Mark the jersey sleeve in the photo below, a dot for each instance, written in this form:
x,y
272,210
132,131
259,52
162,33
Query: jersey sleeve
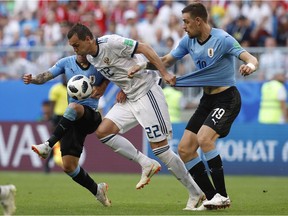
x,y
122,47
232,46
181,50
58,68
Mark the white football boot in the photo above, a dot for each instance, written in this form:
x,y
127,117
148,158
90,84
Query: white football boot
x,y
43,150
101,195
200,208
217,202
194,202
147,173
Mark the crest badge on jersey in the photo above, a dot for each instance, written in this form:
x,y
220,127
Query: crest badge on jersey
x,y
106,60
210,52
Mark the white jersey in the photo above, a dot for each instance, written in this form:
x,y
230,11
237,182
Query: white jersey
x,y
115,56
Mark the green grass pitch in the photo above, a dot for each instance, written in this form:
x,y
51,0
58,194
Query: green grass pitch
x,y
57,194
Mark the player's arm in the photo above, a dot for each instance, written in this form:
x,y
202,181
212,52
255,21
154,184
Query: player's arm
x,y
167,60
98,91
121,96
152,56
251,63
38,79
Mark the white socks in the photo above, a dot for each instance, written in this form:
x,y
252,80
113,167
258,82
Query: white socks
x,y
175,165
177,168
125,148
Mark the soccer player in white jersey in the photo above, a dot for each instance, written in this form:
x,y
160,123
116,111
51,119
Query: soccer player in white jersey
x,y
113,56
213,52
7,199
80,118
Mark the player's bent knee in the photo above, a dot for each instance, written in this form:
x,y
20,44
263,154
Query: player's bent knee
x,y
68,168
182,151
106,128
100,133
204,141
69,164
158,144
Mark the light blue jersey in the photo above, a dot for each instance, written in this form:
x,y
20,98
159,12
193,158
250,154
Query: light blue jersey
x,y
70,68
214,59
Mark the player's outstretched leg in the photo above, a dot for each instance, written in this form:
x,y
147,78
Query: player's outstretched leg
x,y
7,199
101,195
177,168
125,148
80,176
43,150
147,173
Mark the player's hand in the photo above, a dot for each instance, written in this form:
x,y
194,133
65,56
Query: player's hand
x,y
170,79
27,78
97,92
121,97
133,70
245,70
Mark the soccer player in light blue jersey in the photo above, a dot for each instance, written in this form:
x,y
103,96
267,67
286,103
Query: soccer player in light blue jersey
x,y
213,52
80,119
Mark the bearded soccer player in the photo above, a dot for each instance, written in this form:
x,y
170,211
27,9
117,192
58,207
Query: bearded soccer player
x,y
113,56
213,52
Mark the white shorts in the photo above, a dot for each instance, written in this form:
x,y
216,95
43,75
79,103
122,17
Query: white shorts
x,y
150,111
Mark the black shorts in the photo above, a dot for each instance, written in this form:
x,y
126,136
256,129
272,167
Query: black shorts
x,y
218,111
73,141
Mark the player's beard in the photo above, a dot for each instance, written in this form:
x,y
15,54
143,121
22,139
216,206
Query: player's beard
x,y
190,36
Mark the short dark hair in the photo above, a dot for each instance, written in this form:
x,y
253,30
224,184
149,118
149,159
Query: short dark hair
x,y
196,9
81,30
46,103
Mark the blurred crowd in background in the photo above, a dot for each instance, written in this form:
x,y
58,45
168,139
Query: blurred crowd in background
x,y
33,33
